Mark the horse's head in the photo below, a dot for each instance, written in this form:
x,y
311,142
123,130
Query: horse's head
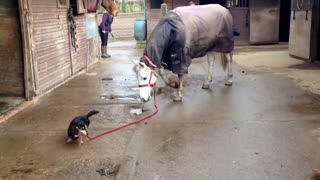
x,y
147,78
110,6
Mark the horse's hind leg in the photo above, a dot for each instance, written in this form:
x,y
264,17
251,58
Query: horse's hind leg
x,y
178,97
210,57
229,66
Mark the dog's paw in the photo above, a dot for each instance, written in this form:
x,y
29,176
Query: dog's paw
x,y
69,140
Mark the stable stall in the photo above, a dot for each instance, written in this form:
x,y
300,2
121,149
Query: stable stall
x,y
11,59
44,43
259,22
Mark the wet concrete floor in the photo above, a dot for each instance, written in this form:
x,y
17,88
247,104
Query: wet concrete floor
x,y
7,103
263,127
32,143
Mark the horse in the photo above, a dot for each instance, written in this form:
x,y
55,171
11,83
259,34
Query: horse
x,y
185,33
109,5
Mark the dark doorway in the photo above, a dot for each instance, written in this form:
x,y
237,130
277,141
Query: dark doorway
x,y
317,6
221,2
315,33
11,61
318,46
156,4
12,90
284,26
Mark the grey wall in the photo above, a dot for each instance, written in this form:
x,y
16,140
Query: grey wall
x,y
264,25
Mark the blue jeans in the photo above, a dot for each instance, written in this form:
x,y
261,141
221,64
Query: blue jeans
x,y
104,38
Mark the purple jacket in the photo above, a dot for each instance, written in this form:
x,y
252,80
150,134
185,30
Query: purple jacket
x,y
106,22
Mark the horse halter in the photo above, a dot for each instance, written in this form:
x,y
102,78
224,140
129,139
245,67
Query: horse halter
x,y
151,66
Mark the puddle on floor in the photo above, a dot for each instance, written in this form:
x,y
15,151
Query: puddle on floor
x,y
136,111
8,103
122,99
91,74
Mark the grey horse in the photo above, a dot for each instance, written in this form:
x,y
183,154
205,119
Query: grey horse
x,y
182,34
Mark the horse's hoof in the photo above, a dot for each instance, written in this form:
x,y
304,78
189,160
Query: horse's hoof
x,y
205,86
228,83
177,99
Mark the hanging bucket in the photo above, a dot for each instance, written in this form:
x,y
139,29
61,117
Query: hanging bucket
x,y
140,29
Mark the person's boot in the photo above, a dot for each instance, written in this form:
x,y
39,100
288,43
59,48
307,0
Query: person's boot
x,y
104,51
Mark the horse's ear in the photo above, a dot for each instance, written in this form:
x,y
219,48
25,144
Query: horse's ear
x,y
142,65
135,68
135,65
135,62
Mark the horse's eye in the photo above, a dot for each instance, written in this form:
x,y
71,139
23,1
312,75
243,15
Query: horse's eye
x,y
144,78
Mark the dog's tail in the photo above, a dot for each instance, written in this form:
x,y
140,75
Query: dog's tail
x,y
93,112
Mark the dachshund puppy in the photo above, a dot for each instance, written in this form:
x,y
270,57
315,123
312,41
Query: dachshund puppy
x,y
79,123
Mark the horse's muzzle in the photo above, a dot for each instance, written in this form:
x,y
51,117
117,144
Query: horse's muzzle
x,y
145,100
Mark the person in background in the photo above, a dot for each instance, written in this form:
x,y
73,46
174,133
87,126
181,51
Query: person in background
x,y
104,30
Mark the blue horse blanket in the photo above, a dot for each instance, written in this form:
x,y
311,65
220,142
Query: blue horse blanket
x,y
189,32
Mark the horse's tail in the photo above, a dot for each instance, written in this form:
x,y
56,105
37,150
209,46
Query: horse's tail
x,y
224,61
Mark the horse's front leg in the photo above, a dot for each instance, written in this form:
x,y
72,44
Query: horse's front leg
x,y
166,80
210,57
178,97
229,67
164,76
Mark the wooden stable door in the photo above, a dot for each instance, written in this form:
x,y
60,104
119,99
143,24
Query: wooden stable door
x,y
264,21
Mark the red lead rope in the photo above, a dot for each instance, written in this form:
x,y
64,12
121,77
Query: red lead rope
x,y
130,123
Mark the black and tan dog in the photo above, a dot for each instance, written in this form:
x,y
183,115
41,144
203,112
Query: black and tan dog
x,y
79,124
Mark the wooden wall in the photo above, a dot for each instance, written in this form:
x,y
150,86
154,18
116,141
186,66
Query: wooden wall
x,y
51,43
47,58
79,57
11,61
54,58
